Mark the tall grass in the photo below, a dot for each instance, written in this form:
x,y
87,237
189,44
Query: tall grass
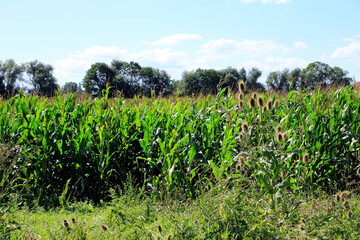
x,y
74,149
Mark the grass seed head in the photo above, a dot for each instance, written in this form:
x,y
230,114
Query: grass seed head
x,y
260,101
269,104
252,103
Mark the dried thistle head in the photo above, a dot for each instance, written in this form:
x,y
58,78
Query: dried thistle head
x,y
241,86
245,127
252,103
278,128
260,101
104,227
305,158
269,104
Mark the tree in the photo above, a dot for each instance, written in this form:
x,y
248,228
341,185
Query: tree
x,y
230,77
10,73
70,87
127,76
295,79
252,80
339,76
98,78
279,81
154,80
41,77
192,83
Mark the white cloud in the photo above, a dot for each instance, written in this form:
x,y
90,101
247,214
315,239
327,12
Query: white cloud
x,y
162,56
300,44
350,52
177,38
356,37
223,48
100,51
267,1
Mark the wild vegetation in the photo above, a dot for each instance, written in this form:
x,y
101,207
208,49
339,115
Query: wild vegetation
x,y
256,154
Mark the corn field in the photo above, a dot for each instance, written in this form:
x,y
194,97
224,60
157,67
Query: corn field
x,y
80,149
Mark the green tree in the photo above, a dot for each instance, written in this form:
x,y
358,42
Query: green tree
x,y
279,81
41,78
10,74
230,77
295,79
98,78
127,77
339,77
70,87
192,83
154,80
252,80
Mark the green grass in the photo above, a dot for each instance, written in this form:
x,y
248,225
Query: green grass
x,y
221,213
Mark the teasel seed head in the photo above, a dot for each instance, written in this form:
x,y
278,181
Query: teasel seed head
x,y
302,220
254,95
238,167
278,128
241,103
104,227
332,204
264,108
276,104
358,171
252,103
283,173
305,158
329,210
73,220
159,228
349,214
344,194
302,228
241,96
242,86
269,104
284,136
245,127
279,137
257,120
346,204
242,160
337,198
241,135
260,101
66,223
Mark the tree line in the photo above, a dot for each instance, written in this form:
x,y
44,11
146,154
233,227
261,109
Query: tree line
x,y
129,79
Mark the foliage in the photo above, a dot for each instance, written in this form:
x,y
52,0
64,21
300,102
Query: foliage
x,y
41,78
177,146
10,74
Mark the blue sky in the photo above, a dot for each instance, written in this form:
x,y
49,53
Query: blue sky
x,y
176,35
